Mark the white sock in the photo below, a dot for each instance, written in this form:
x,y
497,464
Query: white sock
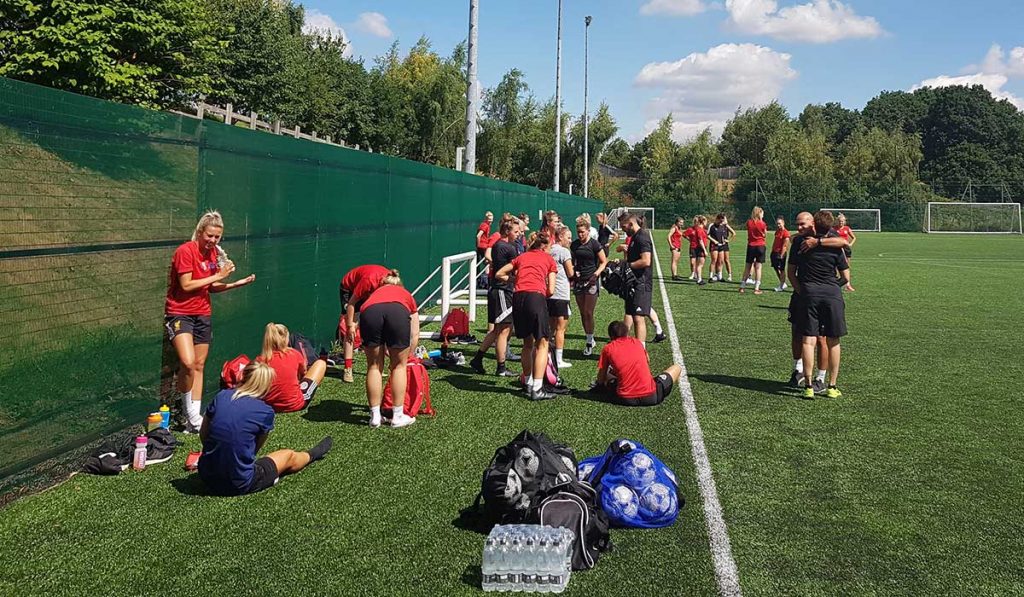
x,y
558,355
537,384
757,285
657,327
644,344
783,285
192,407
590,338
374,413
821,375
798,365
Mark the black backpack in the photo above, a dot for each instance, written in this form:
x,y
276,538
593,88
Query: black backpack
x,y
574,506
618,279
301,343
521,474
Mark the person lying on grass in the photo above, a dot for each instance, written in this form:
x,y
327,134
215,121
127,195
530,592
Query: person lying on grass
x,y
624,374
235,427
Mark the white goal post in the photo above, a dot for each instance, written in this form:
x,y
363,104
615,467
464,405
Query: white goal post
x,y
646,212
859,220
955,217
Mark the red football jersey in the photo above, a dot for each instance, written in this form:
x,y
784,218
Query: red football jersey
x,y
628,360
189,259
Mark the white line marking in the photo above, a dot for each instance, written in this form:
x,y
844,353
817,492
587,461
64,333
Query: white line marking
x,y
718,535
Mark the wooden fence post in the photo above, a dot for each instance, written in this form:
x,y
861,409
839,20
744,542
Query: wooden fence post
x,y
228,115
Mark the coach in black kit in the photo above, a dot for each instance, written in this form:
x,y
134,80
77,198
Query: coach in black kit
x,y
640,256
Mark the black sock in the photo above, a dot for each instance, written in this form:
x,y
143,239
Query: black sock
x,y
320,450
501,366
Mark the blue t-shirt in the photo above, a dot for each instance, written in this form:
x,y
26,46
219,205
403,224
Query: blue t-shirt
x,y
230,447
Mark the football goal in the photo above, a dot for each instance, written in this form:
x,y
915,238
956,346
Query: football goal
x,y
860,220
646,212
972,218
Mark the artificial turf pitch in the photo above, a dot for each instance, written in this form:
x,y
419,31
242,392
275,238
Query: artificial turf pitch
x,y
909,484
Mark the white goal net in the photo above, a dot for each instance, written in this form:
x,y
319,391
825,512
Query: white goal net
x,y
859,220
972,218
646,212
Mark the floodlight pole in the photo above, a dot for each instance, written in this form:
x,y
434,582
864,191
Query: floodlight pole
x,y
586,116
558,101
472,94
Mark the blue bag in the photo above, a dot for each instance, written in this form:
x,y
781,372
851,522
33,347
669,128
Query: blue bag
x,y
635,489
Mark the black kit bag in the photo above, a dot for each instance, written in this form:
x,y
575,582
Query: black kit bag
x,y
574,506
618,279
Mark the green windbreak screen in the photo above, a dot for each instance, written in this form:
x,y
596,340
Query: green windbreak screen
x,y
95,197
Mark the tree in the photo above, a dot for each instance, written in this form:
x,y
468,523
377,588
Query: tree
x,y
745,137
836,122
658,152
601,130
158,53
507,108
619,154
695,180
897,110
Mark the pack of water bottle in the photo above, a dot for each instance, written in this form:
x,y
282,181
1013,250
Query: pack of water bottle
x,y
527,558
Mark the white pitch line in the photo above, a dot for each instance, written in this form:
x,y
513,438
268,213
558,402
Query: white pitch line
x,y
718,534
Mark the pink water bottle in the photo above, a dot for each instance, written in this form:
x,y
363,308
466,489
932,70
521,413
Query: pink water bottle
x,y
139,457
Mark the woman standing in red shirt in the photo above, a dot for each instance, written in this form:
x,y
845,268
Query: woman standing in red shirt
x,y
388,323
846,233
757,230
675,245
535,272
294,385
197,269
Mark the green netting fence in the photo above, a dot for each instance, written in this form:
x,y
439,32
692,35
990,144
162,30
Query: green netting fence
x,y
95,197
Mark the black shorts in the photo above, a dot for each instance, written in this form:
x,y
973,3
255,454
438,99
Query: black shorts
x,y
755,254
308,388
197,325
264,476
499,305
778,261
662,388
344,296
558,308
385,324
821,316
480,254
794,305
676,249
724,248
530,315
640,304
582,288
696,253
848,252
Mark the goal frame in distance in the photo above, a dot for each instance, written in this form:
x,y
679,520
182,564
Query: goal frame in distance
x,y
613,216
878,216
928,218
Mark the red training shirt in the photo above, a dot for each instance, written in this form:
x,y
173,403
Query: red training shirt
x,y
532,269
676,238
492,239
363,280
757,230
844,231
390,293
780,240
481,242
188,259
702,235
284,395
628,360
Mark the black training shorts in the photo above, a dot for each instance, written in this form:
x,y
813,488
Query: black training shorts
x,y
848,252
385,324
530,315
755,254
197,325
778,261
696,253
558,308
265,475
821,316
662,388
640,303
499,305
724,248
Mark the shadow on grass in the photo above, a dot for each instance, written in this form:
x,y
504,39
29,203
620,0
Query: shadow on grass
x,y
329,411
473,576
503,385
766,386
191,485
778,307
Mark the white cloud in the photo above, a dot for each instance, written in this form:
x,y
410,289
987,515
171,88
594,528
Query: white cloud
x,y
704,89
997,61
819,21
992,81
677,8
319,22
375,24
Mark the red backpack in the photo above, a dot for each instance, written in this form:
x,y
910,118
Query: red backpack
x,y
456,324
343,333
417,392
231,372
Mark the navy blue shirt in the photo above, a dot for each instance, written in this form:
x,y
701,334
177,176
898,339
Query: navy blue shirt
x,y
229,451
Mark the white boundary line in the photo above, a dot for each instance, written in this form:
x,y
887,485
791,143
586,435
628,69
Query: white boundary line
x,y
718,534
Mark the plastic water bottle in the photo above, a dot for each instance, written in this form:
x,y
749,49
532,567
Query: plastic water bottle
x,y
530,561
517,569
488,568
139,456
165,413
502,563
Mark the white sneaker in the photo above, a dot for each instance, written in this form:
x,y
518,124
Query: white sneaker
x,y
564,365
778,289
511,356
749,282
692,276
730,278
374,422
402,420
191,429
588,349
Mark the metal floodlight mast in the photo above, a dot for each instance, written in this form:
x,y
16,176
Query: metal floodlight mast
x,y
558,100
472,94
586,115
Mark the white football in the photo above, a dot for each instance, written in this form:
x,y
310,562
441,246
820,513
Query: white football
x,y
659,499
625,502
513,485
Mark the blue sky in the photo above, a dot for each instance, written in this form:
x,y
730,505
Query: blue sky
x,y
701,59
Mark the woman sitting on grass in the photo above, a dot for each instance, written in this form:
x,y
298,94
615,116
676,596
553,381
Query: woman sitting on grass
x,y
234,429
294,384
624,372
